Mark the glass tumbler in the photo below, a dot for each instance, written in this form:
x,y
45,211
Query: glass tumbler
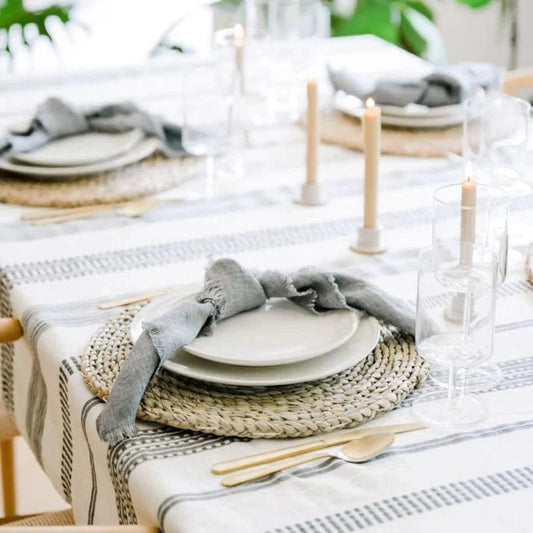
x,y
445,280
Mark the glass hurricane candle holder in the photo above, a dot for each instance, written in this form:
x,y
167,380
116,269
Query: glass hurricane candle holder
x,y
444,277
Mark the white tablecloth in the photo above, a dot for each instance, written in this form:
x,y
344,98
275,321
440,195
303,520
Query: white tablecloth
x,y
53,277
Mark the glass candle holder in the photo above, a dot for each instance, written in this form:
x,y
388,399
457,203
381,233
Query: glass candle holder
x,y
445,280
489,217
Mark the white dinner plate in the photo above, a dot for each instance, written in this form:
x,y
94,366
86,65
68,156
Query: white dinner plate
x,y
277,333
141,150
83,149
422,111
352,106
360,344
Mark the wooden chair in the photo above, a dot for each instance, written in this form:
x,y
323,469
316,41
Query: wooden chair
x,y
60,522
515,80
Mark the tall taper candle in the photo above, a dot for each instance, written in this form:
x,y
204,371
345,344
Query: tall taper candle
x,y
312,132
238,43
468,213
372,147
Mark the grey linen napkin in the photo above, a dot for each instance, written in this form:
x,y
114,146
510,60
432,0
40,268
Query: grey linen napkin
x,y
55,118
447,86
230,289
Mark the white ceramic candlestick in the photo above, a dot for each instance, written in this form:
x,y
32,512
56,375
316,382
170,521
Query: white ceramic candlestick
x,y
311,190
369,238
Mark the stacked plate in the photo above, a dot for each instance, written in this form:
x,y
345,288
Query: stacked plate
x,y
278,343
410,116
81,155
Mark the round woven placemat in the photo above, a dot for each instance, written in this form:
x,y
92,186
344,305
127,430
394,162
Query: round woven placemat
x,y
153,175
375,385
337,128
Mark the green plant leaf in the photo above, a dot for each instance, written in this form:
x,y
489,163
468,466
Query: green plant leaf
x,y
422,7
474,4
13,12
378,17
422,37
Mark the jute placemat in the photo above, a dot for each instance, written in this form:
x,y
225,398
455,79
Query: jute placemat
x,y
375,385
337,128
153,175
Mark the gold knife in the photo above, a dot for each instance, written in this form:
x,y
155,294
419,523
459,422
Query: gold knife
x,y
310,446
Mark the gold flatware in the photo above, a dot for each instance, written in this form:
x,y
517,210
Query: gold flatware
x,y
317,443
356,451
54,213
134,299
76,215
138,207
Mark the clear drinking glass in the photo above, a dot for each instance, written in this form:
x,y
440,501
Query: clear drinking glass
x,y
446,280
211,119
491,215
275,68
495,137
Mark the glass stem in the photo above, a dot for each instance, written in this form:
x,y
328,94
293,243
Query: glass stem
x,y
210,176
456,387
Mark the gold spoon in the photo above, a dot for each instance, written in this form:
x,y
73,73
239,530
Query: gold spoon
x,y
356,451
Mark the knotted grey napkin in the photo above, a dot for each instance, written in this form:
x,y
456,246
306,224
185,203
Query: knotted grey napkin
x,y
451,85
56,118
230,289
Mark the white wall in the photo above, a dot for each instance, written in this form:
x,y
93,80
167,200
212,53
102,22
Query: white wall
x,y
477,34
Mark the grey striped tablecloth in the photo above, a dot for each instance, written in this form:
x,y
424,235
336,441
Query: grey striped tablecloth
x,y
53,277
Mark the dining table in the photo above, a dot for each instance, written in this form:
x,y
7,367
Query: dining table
x,y
53,278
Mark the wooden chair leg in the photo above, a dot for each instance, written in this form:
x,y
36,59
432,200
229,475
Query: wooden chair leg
x,y
7,465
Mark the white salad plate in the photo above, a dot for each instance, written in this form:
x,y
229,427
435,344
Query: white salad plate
x,y
82,149
405,117
141,150
277,333
360,344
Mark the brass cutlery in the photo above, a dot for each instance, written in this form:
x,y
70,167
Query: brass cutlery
x,y
317,443
134,299
356,451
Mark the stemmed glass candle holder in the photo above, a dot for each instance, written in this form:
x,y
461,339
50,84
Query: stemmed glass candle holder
x,y
489,218
488,214
456,345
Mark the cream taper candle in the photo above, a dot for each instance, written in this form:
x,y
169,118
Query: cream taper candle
x,y
372,147
312,132
468,214
238,43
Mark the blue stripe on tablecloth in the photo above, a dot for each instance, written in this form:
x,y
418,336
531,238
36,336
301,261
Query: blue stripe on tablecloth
x,y
221,205
417,502
331,465
94,487
66,370
159,443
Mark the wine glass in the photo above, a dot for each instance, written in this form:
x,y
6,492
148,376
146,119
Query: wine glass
x,y
445,279
211,119
495,137
490,215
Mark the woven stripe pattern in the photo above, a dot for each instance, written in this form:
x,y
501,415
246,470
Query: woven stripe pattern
x,y
153,175
374,386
